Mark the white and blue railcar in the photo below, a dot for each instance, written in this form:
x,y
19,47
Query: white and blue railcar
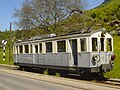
x,y
82,52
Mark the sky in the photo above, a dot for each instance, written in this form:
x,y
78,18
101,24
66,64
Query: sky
x,y
7,8
93,3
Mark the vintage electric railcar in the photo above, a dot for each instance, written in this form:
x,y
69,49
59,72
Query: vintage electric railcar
x,y
81,52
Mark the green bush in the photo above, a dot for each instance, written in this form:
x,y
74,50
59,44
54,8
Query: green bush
x,y
6,56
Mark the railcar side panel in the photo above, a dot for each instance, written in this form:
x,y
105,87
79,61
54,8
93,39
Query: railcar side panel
x,y
25,58
15,58
41,59
84,59
108,57
35,58
49,59
61,59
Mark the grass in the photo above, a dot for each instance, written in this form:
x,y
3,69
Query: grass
x,y
45,72
57,74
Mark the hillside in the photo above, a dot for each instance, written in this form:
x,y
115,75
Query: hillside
x,y
105,2
106,13
109,9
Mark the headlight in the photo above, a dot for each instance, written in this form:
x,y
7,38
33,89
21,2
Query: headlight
x,y
113,57
95,58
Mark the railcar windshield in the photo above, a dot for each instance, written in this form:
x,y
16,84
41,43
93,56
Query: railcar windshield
x,y
105,44
109,44
102,44
94,44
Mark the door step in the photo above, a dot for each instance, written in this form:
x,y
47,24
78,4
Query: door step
x,y
74,72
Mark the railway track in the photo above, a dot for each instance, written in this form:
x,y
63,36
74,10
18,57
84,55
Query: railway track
x,y
113,81
97,79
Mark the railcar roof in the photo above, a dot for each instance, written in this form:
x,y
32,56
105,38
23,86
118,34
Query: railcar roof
x,y
71,35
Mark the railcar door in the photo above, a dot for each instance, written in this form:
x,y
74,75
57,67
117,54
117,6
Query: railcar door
x,y
73,45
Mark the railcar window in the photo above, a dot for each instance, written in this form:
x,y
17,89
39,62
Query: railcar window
x,y
26,49
31,48
21,49
40,47
36,48
94,44
102,44
83,44
109,44
16,49
48,47
61,46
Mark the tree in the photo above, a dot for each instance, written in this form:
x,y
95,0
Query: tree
x,y
93,15
45,13
118,12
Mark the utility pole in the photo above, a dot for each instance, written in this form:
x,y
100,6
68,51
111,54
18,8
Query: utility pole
x,y
10,37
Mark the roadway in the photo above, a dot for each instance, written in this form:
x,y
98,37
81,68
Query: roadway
x,y
13,82
20,80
